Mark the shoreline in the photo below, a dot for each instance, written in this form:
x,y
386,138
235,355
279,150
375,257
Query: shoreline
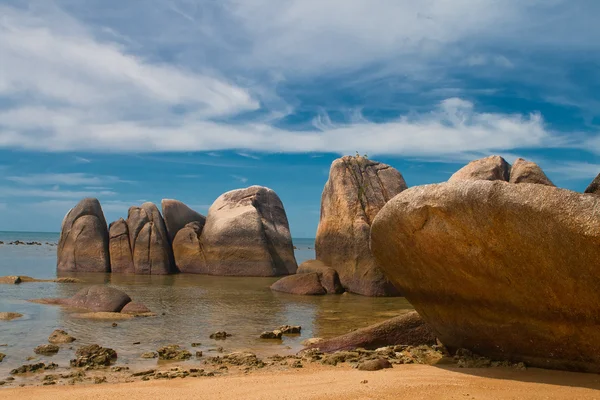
x,y
318,382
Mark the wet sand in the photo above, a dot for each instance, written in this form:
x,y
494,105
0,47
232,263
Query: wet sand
x,y
323,382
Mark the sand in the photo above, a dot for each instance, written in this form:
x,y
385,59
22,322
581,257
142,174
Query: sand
x,y
320,382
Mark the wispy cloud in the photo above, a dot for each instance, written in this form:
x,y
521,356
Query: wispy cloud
x,y
242,179
82,160
57,194
67,179
248,155
574,170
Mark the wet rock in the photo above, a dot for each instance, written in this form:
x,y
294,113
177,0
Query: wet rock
x,y
46,349
297,364
104,316
9,316
97,298
238,359
173,352
144,373
328,276
407,329
247,234
23,369
301,284
83,244
290,329
311,342
196,344
469,256
198,354
221,335
99,379
137,309
271,335
150,354
356,190
10,280
177,215
93,356
114,324
121,258
2,355
59,337
150,244
374,365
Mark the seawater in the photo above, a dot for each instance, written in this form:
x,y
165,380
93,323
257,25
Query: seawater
x,y
189,308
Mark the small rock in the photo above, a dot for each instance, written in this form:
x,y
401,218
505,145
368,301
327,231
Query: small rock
x,y
23,369
99,379
2,355
312,341
9,316
221,335
374,365
2,383
196,344
290,329
9,378
150,354
46,349
93,356
137,342
198,354
173,352
114,324
276,334
297,364
144,373
365,381
10,280
59,336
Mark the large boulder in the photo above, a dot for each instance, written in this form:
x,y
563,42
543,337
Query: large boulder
x,y
594,186
186,248
97,298
507,271
492,168
356,190
150,244
305,284
408,329
83,243
121,259
523,171
328,276
177,215
246,234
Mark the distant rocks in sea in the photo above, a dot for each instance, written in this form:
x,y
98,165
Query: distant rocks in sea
x,y
246,233
507,271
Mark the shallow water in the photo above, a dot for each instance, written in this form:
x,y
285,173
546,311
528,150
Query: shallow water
x,y
194,306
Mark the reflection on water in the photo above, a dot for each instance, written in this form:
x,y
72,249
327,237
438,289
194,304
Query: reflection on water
x,y
189,308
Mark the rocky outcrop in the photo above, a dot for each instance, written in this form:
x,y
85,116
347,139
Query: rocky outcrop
x,y
594,186
355,192
187,250
328,277
177,215
304,284
246,234
121,259
506,271
408,329
150,244
492,168
93,356
83,243
523,171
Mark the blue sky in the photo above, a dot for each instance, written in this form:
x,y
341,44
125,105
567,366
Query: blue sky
x,y
133,101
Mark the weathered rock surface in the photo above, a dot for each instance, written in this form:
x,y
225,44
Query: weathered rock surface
x,y
507,271
93,356
121,259
290,329
328,276
9,316
374,365
408,329
83,244
59,337
99,298
177,215
46,349
492,168
221,335
276,334
355,192
24,369
523,171
246,234
186,248
594,186
304,284
151,248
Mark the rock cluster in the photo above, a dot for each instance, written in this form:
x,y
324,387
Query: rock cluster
x,y
496,168
93,356
246,233
173,352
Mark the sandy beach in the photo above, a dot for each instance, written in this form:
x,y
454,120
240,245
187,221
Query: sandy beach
x,y
319,382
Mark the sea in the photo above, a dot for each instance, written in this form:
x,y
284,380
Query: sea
x,y
189,309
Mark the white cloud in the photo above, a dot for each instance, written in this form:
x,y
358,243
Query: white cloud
x,y
247,155
57,194
574,170
68,179
242,179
